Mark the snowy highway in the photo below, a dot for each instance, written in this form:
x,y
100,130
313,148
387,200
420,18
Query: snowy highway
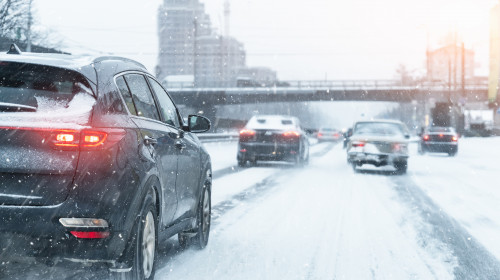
x,y
324,221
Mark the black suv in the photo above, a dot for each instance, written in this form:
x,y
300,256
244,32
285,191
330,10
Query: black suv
x,y
96,165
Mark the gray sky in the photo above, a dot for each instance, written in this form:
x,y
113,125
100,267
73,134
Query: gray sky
x,y
314,39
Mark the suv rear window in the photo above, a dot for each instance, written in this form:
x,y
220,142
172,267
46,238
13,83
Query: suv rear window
x,y
31,85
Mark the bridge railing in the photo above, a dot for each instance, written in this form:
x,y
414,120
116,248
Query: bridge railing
x,y
475,84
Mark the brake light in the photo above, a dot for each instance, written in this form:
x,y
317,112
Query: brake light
x,y
358,144
93,138
454,138
247,132
426,137
90,234
66,138
320,134
86,139
291,134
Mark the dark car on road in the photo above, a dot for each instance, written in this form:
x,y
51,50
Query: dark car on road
x,y
273,138
328,134
96,165
439,140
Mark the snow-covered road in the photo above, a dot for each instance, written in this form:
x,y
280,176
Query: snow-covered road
x,y
324,221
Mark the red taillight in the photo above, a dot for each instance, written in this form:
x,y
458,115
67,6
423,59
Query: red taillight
x,y
247,132
454,138
93,138
358,144
320,134
86,139
291,134
90,234
426,137
66,138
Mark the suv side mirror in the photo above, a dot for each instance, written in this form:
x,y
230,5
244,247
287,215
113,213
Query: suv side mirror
x,y
198,124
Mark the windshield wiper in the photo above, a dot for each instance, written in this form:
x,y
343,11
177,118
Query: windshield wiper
x,y
11,107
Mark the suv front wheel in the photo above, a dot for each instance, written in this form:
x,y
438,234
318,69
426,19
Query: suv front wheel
x,y
203,222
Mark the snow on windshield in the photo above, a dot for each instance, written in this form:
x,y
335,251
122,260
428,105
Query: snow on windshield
x,y
53,113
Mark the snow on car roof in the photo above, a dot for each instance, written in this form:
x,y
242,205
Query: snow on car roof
x,y
272,122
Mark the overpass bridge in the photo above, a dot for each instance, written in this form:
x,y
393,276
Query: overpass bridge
x,y
303,91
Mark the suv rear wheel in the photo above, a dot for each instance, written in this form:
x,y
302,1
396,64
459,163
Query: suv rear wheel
x,y
145,243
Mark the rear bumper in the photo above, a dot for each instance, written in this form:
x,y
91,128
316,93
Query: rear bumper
x,y
360,158
35,231
440,147
268,151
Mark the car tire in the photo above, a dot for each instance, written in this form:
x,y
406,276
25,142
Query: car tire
x,y
144,244
401,167
203,223
242,163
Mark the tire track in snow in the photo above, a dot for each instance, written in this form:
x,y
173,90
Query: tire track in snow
x,y
235,168
475,261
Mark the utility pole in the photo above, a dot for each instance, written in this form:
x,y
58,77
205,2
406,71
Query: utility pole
x,y
195,51
463,69
28,31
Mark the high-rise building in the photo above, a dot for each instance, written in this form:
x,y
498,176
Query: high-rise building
x,y
179,23
191,51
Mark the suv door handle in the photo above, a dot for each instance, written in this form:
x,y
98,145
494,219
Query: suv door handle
x,y
179,144
150,141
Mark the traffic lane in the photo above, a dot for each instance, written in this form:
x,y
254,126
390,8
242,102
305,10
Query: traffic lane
x,y
474,261
320,222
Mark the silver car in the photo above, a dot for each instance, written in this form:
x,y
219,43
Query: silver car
x,y
380,143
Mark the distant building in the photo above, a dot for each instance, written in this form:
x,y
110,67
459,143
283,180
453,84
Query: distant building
x,y
218,61
445,64
494,77
180,21
256,77
189,46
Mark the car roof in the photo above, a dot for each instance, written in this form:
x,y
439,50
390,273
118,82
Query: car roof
x,y
272,122
380,121
79,63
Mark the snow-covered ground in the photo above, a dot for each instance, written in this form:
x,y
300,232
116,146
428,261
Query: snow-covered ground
x,y
324,221
467,186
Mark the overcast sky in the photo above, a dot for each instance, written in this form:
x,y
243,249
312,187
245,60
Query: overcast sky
x,y
314,39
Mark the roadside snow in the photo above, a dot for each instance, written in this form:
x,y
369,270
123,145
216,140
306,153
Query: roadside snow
x,y
466,186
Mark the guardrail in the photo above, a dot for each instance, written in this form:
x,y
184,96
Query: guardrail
x,y
217,137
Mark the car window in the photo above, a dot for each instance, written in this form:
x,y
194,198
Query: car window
x,y
127,96
166,106
379,128
32,85
142,97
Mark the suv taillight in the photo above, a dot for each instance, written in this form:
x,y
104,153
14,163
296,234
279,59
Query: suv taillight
x,y
85,139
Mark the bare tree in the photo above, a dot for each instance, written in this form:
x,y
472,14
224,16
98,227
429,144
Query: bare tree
x,y
14,16
17,22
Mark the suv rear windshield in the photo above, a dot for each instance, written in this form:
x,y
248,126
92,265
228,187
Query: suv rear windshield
x,y
31,85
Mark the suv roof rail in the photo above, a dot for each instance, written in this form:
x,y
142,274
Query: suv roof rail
x,y
104,58
14,49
